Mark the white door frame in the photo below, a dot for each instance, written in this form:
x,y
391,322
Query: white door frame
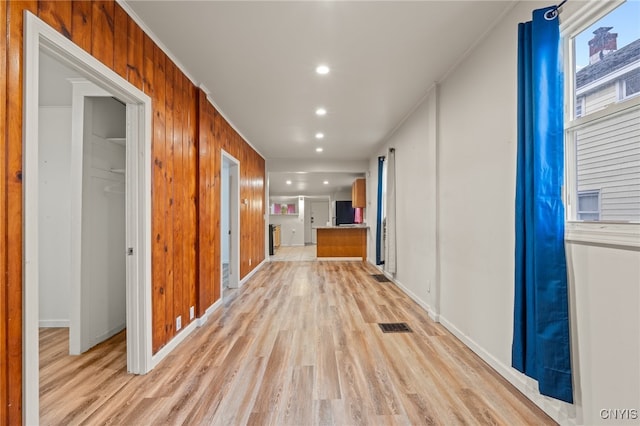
x,y
234,222
39,36
81,89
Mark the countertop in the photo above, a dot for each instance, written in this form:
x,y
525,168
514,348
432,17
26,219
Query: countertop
x,y
344,227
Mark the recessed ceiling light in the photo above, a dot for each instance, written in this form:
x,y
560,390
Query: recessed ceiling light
x,y
319,149
322,69
319,135
326,182
321,111
288,182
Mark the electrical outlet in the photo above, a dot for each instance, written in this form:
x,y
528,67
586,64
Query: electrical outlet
x,y
178,322
192,312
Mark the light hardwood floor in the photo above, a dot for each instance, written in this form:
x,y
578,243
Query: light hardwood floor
x,y
298,344
294,253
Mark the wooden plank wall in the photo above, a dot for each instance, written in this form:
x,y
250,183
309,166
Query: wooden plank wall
x,y
216,135
188,134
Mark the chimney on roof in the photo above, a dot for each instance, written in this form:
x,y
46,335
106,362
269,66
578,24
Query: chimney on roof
x,y
602,43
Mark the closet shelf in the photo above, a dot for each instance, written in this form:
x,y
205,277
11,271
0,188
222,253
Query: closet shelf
x,y
119,141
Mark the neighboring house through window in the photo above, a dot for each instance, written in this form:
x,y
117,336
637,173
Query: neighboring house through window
x,y
603,133
589,205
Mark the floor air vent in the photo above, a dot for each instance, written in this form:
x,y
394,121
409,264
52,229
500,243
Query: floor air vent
x,y
394,327
381,278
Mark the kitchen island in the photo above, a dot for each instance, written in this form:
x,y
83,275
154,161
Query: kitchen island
x,y
342,241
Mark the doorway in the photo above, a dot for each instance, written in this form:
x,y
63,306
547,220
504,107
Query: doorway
x,y
319,218
40,38
229,222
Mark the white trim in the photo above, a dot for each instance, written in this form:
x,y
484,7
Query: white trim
x,y
590,12
252,272
435,316
40,36
133,15
608,78
234,222
561,412
613,234
609,110
184,333
81,88
233,126
604,233
59,323
198,322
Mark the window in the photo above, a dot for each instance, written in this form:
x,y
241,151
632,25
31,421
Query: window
x,y
631,85
602,122
579,106
589,205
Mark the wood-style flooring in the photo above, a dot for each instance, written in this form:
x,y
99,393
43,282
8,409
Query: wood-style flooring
x,y
298,344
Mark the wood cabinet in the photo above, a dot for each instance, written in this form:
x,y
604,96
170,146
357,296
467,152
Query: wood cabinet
x,y
276,236
359,193
342,242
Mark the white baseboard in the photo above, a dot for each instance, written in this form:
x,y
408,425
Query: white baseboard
x,y
253,271
198,322
564,414
179,338
60,323
424,305
106,335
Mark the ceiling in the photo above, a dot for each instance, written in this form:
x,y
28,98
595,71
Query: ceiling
x,y
257,60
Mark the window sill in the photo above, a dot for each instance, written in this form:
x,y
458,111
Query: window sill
x,y
612,234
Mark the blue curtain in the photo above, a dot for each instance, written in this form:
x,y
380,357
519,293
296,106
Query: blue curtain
x,y
541,347
379,260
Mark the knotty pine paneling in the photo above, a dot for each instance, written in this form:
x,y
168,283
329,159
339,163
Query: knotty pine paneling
x,y
81,22
15,11
103,31
192,170
186,157
57,14
207,250
168,200
4,336
135,53
216,134
120,40
158,229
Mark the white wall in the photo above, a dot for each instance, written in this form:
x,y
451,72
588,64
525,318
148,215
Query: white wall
x,y
473,260
54,212
415,147
291,229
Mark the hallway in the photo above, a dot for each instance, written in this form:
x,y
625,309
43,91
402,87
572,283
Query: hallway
x,y
298,344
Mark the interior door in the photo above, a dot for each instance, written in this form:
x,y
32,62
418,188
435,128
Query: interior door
x,y
103,271
319,217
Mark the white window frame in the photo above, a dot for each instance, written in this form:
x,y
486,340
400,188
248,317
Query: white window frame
x,y
588,193
623,90
619,234
581,104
